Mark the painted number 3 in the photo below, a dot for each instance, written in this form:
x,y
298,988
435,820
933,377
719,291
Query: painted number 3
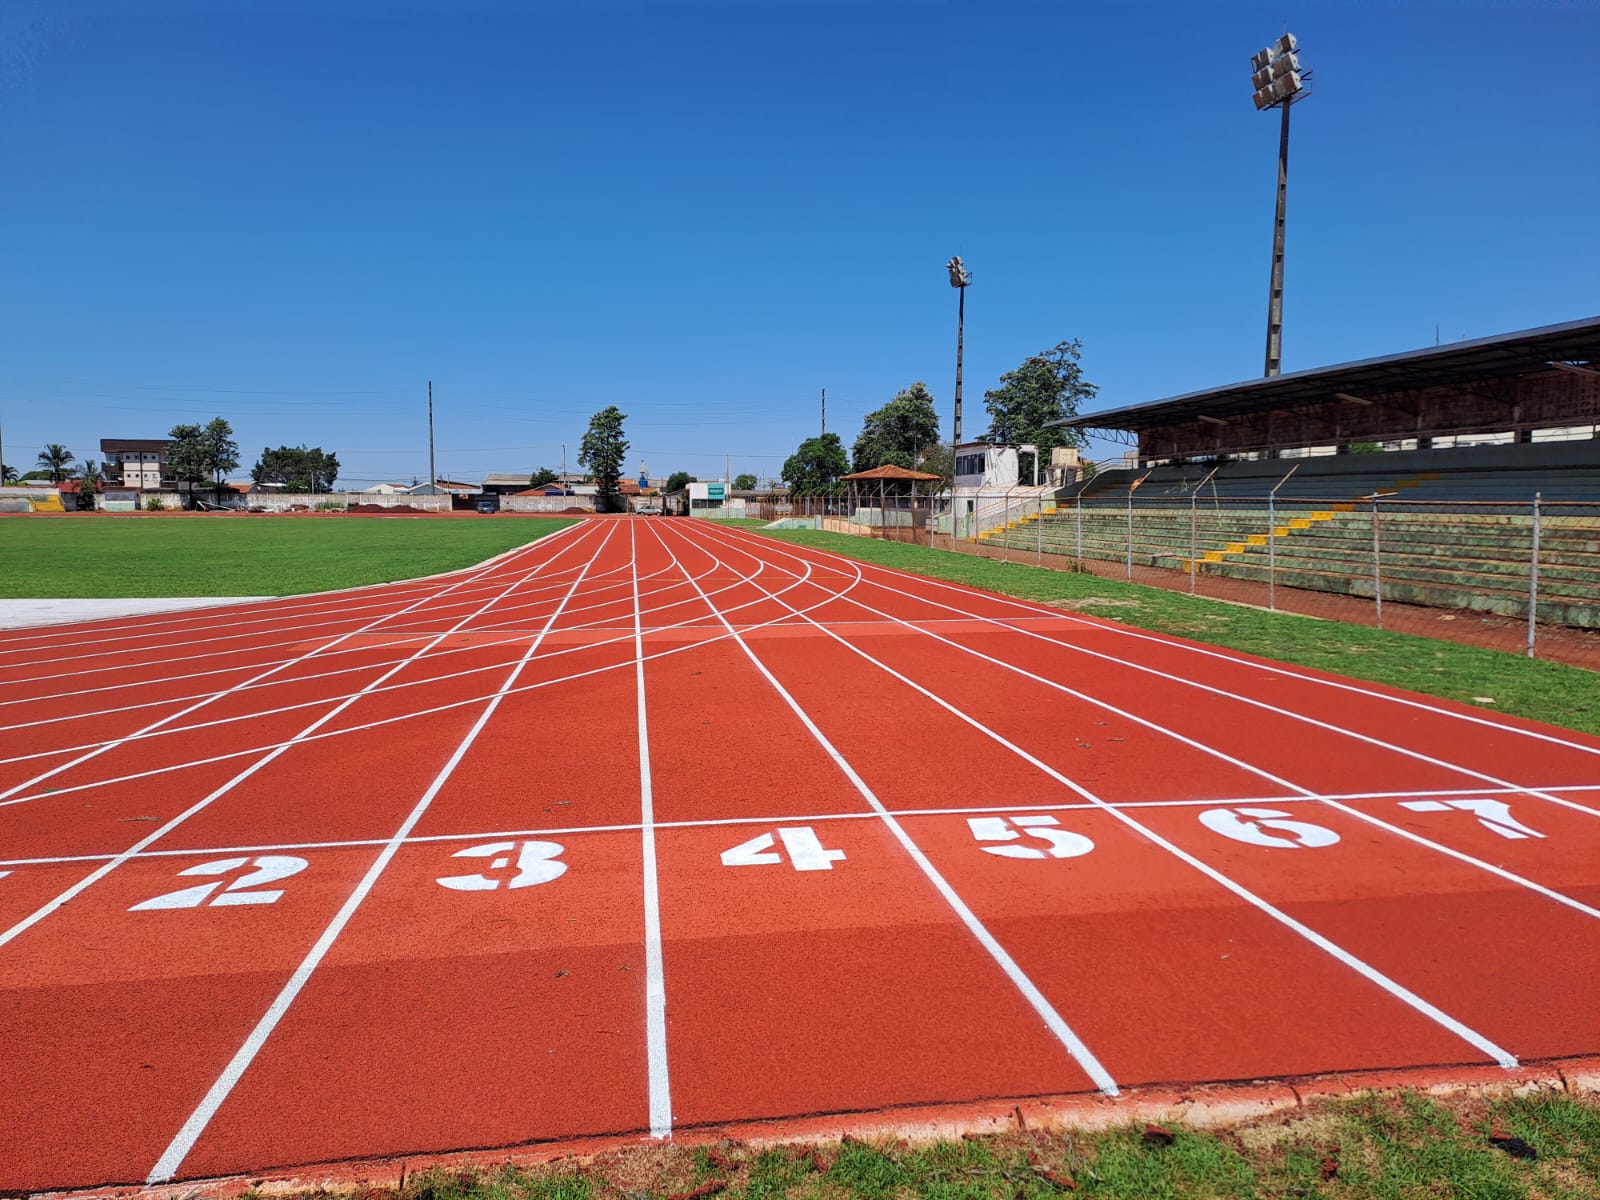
x,y
537,862
269,868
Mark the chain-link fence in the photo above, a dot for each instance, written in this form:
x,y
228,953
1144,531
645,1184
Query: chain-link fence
x,y
1517,576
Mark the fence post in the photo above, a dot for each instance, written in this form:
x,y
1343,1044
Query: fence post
x,y
1130,533
1377,562
1272,550
1077,509
1194,538
1533,577
1038,521
1272,539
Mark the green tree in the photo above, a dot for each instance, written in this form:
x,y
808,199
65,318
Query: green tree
x,y
198,454
8,474
814,468
186,455
939,460
898,433
88,485
221,453
602,451
745,483
297,468
56,461
1048,386
679,480
543,476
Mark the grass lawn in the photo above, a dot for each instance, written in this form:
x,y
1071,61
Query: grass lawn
x,y
1385,1145
1544,691
115,556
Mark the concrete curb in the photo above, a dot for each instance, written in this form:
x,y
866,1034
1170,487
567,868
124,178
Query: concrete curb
x,y
1203,1106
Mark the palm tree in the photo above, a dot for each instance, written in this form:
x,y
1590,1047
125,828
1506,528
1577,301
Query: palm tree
x,y
8,474
56,459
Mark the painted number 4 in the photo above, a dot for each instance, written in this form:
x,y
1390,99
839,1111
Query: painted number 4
x,y
802,846
269,868
1062,843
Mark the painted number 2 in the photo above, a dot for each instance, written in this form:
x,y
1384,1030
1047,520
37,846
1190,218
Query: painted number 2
x,y
537,862
1062,843
269,868
802,845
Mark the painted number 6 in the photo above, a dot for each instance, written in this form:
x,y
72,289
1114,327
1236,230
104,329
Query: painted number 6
x,y
1266,827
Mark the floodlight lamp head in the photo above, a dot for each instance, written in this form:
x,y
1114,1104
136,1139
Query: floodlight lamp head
x,y
960,277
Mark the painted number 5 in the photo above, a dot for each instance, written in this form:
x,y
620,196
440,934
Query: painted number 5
x,y
269,868
1266,827
537,862
1063,843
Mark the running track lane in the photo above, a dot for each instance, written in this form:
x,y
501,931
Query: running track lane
x,y
785,702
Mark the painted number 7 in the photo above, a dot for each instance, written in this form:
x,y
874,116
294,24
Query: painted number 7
x,y
1493,815
1063,843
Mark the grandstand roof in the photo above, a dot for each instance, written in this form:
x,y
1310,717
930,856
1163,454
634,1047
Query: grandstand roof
x,y
1575,343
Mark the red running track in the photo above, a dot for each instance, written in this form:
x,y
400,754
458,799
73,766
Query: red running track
x,y
651,826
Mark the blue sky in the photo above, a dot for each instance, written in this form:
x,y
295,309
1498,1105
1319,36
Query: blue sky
x,y
294,215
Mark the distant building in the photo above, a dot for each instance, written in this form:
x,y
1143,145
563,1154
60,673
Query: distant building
x,y
136,464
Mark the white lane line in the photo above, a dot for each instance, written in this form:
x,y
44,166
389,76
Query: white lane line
x,y
1372,974
400,637
414,714
292,608
154,641
1494,869
655,990
493,835
158,730
1053,1020
95,876
144,667
401,640
172,1158
103,747
1108,625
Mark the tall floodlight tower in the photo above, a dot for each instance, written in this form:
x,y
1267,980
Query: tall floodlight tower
x,y
1280,83
960,277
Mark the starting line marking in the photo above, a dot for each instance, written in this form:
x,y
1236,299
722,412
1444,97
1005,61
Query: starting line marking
x,y
1417,798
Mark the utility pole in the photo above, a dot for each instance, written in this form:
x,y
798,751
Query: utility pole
x,y
825,411
563,466
433,476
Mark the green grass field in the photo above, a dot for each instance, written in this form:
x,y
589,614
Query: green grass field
x,y
1544,691
95,557
1395,1145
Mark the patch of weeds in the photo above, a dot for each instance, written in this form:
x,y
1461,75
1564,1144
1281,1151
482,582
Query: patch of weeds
x,y
1123,1162
867,1172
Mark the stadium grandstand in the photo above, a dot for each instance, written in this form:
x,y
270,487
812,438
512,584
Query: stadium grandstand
x,y
1459,477
1518,389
